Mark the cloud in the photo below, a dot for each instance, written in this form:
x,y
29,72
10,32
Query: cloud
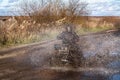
x,y
4,2
8,7
11,1
105,8
96,7
97,1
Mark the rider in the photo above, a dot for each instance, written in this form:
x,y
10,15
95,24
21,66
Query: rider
x,y
68,36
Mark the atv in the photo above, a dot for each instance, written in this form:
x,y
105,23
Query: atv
x,y
64,56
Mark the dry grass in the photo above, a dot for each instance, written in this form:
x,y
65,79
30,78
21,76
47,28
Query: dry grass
x,y
14,33
11,33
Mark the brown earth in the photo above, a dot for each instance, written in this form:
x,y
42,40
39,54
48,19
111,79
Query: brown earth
x,y
29,62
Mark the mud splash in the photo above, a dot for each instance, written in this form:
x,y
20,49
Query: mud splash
x,y
102,62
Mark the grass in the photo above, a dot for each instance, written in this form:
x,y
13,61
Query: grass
x,y
50,34
82,30
47,35
14,35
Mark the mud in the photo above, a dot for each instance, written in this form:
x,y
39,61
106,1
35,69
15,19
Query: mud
x,y
12,70
102,61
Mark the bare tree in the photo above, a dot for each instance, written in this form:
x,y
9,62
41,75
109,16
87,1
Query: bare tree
x,y
76,8
52,10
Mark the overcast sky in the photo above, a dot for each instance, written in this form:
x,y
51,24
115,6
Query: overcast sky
x,y
96,7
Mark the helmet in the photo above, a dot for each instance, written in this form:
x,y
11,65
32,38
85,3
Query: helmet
x,y
69,27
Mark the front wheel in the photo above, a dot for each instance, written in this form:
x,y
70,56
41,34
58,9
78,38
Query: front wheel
x,y
75,58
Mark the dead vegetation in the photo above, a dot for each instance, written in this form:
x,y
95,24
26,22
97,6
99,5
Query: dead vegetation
x,y
11,32
44,19
47,11
41,21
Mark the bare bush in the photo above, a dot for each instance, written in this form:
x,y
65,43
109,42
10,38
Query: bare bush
x,y
117,25
38,17
12,33
47,11
76,8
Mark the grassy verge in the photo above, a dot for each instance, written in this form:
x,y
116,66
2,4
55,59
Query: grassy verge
x,y
83,30
48,34
32,38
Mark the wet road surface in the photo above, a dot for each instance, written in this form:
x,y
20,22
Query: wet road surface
x,y
12,70
21,64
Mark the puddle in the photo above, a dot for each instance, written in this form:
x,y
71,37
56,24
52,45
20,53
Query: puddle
x,y
114,64
111,72
73,75
115,77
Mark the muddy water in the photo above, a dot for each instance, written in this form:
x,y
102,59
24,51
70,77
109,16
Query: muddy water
x,y
70,75
11,70
21,68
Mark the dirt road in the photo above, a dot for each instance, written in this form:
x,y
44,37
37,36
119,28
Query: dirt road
x,y
21,62
28,62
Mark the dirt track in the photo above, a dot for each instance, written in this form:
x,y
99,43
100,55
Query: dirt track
x,y
17,64
26,62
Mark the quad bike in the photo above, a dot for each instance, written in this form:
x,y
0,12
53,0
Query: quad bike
x,y
66,55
